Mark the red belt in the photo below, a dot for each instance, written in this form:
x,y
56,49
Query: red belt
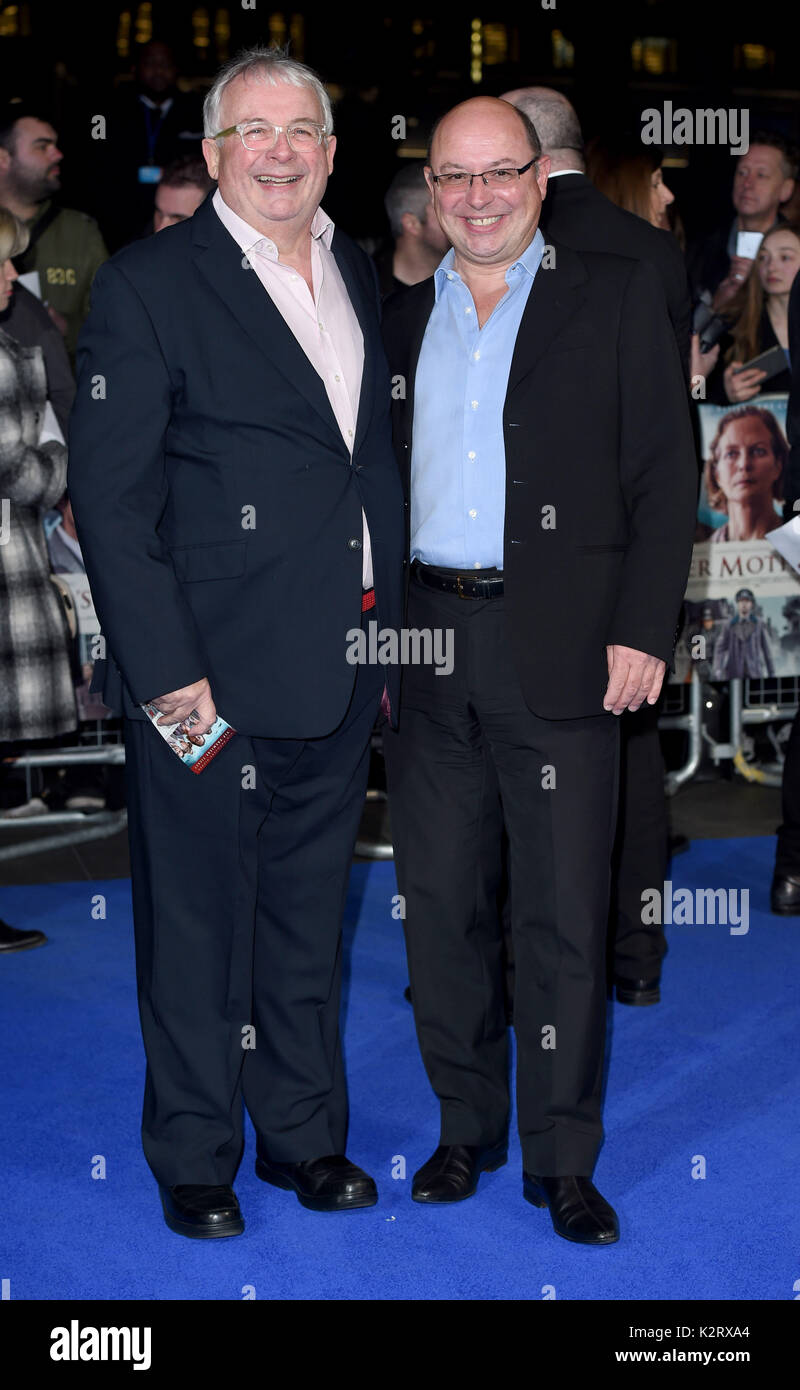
x,y
367,600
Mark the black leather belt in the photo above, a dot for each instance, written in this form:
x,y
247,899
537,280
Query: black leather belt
x,y
453,582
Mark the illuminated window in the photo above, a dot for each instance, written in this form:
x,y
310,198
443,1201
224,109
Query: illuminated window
x,y
563,50
222,35
297,36
654,56
495,43
201,29
753,57
9,21
144,23
277,29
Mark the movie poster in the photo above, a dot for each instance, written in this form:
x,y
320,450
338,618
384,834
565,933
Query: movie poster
x,y
742,597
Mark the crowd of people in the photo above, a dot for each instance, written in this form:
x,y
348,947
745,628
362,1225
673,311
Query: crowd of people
x,y
703,312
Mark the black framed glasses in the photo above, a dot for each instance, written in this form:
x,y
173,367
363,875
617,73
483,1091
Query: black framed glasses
x,y
262,135
492,178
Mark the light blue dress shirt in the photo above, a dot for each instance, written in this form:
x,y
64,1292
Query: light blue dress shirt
x,y
458,462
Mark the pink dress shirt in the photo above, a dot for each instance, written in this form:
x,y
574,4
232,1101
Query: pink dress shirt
x,y
324,324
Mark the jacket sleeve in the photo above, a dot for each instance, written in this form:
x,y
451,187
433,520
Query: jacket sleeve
x,y
118,485
657,472
30,476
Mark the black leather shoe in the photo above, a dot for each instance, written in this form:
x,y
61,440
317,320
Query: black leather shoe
x,y
203,1213
12,939
638,991
577,1210
784,895
322,1184
452,1172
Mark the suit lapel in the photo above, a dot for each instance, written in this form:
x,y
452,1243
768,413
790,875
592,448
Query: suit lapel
x,y
219,260
367,316
555,295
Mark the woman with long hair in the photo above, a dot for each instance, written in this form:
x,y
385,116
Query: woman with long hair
x,y
630,174
758,317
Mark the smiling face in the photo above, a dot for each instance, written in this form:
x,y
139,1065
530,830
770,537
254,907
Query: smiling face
x,y
486,226
747,466
276,191
778,261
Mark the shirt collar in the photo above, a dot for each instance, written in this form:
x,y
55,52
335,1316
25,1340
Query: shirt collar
x,y
529,262
557,173
162,106
322,229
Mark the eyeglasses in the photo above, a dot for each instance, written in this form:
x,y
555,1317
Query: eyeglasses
x,y
492,178
261,135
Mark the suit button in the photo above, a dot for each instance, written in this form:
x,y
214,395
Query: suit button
x,y
354,543
405,446
405,504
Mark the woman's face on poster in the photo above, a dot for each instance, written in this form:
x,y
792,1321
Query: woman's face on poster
x,y
747,466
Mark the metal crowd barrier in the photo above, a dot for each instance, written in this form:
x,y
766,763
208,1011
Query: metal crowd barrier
x,y
750,703
102,745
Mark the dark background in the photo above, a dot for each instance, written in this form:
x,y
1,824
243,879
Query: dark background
x,y
612,60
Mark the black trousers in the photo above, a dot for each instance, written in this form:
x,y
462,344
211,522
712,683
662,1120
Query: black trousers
x,y
558,784
639,861
787,854
239,880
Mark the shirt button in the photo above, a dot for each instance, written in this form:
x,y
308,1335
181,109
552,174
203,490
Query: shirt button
x,y
354,543
322,326
449,276
477,565
337,378
468,310
471,454
349,434
473,513
476,355
474,405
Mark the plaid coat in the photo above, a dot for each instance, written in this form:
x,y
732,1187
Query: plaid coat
x,y
37,697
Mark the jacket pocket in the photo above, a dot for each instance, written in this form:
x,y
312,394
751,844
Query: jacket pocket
x,y
211,560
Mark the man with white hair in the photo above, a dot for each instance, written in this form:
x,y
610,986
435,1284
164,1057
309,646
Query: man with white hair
x,y
240,512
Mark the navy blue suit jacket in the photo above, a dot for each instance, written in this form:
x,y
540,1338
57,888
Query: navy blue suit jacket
x,y
216,504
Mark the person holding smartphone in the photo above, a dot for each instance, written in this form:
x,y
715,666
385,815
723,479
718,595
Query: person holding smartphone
x,y
758,317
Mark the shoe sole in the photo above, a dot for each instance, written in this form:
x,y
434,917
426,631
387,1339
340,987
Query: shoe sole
x,y
449,1201
25,946
785,911
541,1203
341,1203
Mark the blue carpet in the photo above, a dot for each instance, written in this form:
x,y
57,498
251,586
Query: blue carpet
x,y
710,1073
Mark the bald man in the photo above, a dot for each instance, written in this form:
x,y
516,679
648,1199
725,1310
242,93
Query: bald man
x,y
546,450
579,215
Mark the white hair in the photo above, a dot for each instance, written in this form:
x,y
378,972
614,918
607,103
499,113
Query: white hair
x,y
271,66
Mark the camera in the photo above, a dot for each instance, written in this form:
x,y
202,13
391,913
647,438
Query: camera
x,y
708,325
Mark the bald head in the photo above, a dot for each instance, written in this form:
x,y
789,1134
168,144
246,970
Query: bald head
x,y
556,124
497,117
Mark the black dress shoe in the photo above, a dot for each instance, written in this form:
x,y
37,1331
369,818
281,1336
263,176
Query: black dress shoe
x,y
12,939
784,895
203,1213
322,1184
577,1210
452,1172
640,991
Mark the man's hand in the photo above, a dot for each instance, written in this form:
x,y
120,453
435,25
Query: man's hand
x,y
742,386
178,704
632,678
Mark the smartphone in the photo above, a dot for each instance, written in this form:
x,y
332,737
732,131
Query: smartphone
x,y
772,362
747,244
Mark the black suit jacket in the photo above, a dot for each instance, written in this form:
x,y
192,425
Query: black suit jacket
x,y
216,504
579,215
596,425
